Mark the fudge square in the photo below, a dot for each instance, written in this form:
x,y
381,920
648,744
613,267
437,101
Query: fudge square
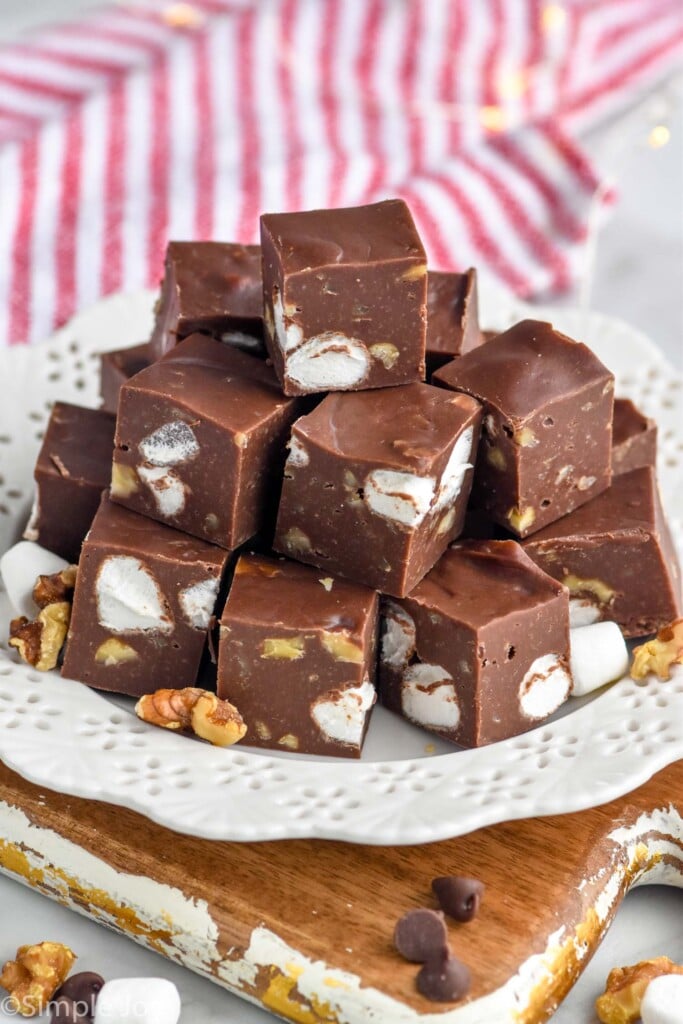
x,y
344,296
452,317
116,368
479,650
634,438
72,470
200,441
212,287
616,557
144,598
547,429
297,656
376,483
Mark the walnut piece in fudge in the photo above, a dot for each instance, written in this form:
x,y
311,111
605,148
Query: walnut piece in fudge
x,y
634,438
116,368
479,650
376,483
452,317
547,430
144,598
70,477
344,297
200,441
214,288
616,556
297,656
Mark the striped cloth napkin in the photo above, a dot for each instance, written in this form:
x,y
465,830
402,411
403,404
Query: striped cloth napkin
x,y
156,120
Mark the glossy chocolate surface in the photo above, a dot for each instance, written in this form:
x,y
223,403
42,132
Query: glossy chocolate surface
x,y
70,476
144,596
212,287
634,438
200,441
547,428
452,317
297,656
366,492
616,556
116,368
479,650
344,296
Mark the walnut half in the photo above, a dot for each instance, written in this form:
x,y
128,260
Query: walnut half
x,y
40,641
658,655
625,988
35,975
195,710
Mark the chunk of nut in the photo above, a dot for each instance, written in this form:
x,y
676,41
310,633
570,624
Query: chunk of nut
x,y
55,588
385,352
195,710
113,651
39,642
521,519
284,648
35,975
625,988
341,647
658,655
124,481
579,585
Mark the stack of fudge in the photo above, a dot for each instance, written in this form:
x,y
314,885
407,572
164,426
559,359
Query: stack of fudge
x,y
281,466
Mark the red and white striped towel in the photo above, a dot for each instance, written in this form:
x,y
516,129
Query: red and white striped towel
x,y
121,131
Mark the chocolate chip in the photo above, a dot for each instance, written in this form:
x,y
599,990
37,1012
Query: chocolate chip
x,y
458,897
78,995
421,935
65,1011
443,979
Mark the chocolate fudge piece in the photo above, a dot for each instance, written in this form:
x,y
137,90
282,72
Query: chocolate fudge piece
x,y
479,650
616,557
547,430
212,287
344,297
116,368
297,656
452,317
73,468
200,441
376,483
634,438
144,598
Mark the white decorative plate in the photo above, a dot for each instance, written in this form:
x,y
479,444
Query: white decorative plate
x,y
408,787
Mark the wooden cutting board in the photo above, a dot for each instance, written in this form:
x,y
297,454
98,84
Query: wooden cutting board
x,y
304,927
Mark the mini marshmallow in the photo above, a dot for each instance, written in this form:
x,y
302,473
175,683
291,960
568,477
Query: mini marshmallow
x,y
199,601
663,1000
428,696
398,636
583,612
167,489
598,656
170,444
138,1001
545,686
402,497
341,715
128,597
454,473
329,360
20,567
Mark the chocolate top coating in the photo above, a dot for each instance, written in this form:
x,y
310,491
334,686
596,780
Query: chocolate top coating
x,y
118,528
216,278
529,366
628,421
629,506
282,593
477,582
63,451
358,234
234,389
402,428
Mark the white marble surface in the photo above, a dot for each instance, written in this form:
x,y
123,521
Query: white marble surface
x,y
638,276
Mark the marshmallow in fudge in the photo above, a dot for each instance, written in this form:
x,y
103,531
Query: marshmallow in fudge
x,y
479,650
547,428
297,656
344,295
142,606
376,483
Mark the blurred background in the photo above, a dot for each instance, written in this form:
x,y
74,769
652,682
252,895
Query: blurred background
x,y
540,141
